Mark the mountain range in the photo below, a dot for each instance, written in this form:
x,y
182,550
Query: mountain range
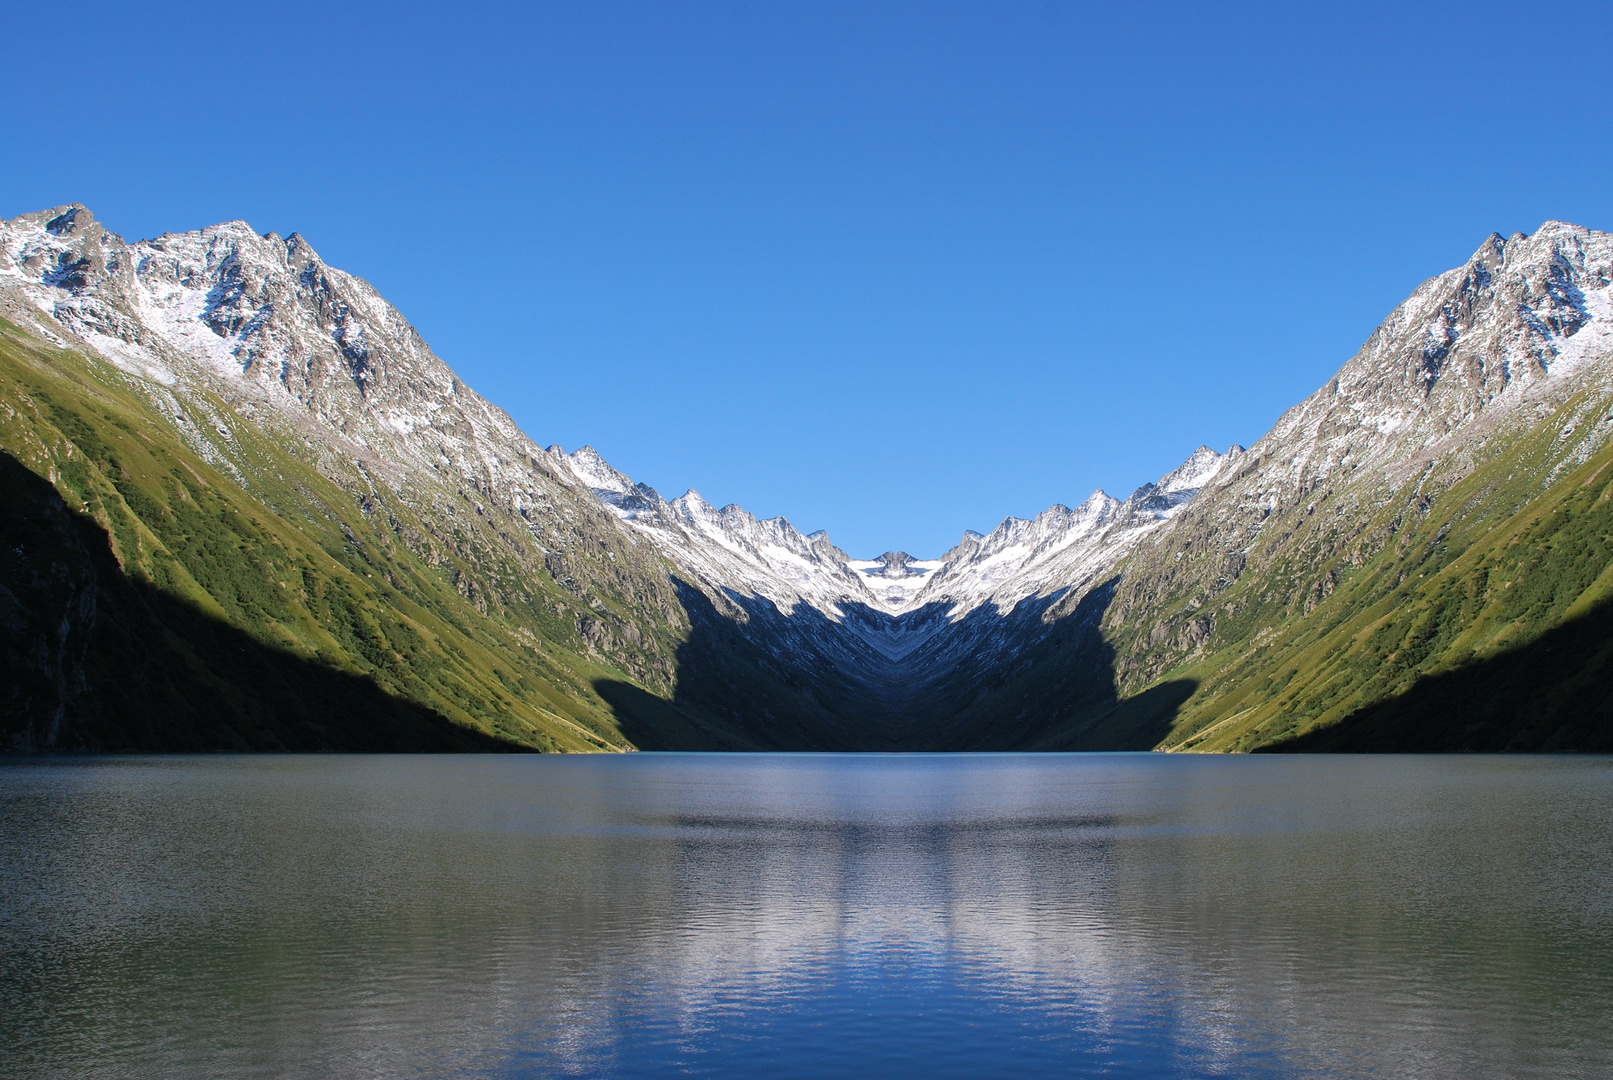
x,y
249,508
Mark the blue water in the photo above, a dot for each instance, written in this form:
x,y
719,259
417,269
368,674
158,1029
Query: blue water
x,y
806,916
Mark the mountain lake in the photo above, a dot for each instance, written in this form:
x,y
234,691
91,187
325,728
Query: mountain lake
x,y
669,915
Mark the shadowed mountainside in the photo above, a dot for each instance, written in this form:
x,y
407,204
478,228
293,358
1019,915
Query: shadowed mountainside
x,y
805,702
733,694
99,661
262,549
1475,617
1551,694
1500,582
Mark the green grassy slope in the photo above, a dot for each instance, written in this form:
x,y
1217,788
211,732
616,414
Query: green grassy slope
x,y
1471,611
324,598
1494,571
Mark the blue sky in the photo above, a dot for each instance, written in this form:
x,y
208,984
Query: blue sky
x,y
893,270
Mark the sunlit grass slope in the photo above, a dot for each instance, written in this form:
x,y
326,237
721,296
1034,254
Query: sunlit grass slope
x,y
1471,608
1486,608
261,550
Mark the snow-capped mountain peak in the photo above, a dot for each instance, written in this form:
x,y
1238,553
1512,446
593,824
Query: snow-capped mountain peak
x,y
595,471
1201,467
615,489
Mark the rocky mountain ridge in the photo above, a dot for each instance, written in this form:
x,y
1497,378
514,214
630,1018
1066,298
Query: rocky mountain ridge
x,y
730,549
1476,397
286,340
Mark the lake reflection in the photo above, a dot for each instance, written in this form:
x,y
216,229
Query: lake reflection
x,y
783,916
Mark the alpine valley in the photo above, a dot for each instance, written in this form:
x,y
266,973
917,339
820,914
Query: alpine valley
x,y
248,508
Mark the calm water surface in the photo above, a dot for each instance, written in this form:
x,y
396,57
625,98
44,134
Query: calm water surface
x,y
806,916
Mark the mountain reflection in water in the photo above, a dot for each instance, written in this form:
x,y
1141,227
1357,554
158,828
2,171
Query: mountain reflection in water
x,y
811,915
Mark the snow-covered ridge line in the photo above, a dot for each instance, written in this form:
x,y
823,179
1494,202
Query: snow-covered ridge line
x,y
731,550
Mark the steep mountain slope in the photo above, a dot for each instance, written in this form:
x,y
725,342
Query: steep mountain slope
x,y
1376,537
268,445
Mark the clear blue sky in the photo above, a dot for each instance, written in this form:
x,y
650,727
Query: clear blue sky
x,y
890,270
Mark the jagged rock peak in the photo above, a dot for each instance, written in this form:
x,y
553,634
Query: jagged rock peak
x,y
66,220
1198,470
